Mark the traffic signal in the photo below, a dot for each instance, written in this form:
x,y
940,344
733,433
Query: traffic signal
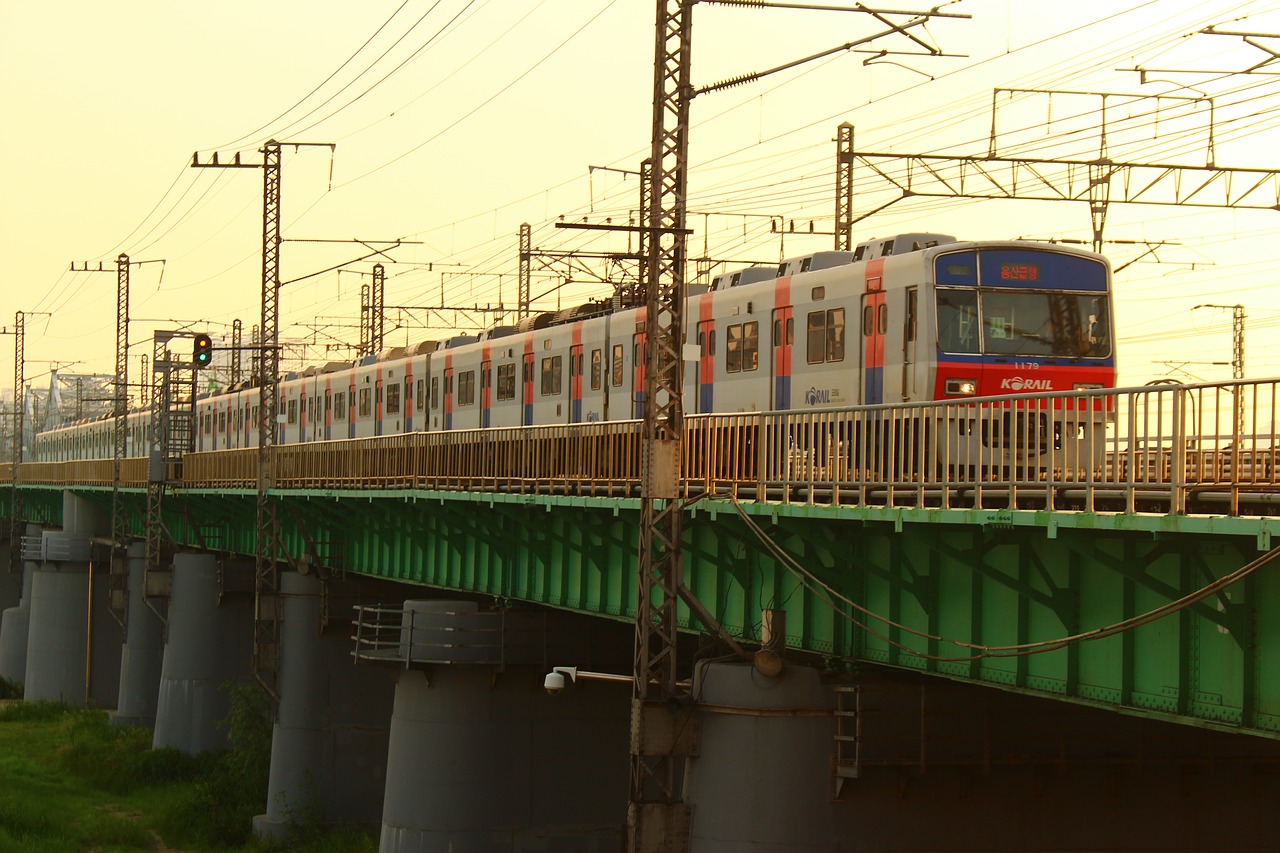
x,y
203,356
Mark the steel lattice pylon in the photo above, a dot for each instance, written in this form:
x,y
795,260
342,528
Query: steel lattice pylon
x,y
16,524
844,187
526,272
656,817
118,577
266,623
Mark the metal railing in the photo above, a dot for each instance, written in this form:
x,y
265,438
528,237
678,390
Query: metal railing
x,y
1186,448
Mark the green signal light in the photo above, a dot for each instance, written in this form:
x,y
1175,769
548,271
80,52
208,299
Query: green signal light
x,y
203,353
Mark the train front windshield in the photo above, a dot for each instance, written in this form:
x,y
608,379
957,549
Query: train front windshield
x,y
1018,302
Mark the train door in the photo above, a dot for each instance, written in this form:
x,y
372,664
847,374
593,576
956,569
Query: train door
x,y
875,322
910,322
639,363
575,378
784,335
526,418
486,382
706,364
446,420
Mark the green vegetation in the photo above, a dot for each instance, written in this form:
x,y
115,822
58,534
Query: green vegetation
x,y
70,780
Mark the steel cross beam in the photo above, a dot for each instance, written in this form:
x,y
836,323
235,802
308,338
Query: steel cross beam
x,y
1099,182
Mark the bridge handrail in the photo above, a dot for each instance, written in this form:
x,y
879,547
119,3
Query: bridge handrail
x,y
1154,447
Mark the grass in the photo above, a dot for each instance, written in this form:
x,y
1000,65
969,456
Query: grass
x,y
69,780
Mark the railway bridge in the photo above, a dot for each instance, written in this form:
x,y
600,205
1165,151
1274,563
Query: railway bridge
x,y
1057,624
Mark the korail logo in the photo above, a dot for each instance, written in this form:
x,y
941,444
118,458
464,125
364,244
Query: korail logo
x,y
817,396
1019,383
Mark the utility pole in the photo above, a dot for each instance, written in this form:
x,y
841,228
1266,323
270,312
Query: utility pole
x,y
526,249
266,611
237,335
657,819
16,521
1237,354
118,575
844,187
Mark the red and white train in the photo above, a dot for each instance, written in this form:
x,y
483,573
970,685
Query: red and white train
x,y
914,318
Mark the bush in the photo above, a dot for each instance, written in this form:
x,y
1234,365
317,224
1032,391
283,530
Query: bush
x,y
10,689
120,758
27,712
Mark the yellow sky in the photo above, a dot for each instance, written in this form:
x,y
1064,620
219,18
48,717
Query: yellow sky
x,y
492,111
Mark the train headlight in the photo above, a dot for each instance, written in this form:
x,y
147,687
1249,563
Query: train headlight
x,y
1086,386
961,387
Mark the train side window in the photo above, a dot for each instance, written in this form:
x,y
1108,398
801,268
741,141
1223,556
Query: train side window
x,y
777,332
393,398
435,392
791,331
506,381
408,395
912,304
750,345
466,388
293,411
617,365
883,313
419,397
551,375
733,349
835,334
366,407
817,347
340,405
868,320
597,369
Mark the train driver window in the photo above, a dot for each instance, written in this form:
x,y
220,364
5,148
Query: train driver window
x,y
597,369
958,320
617,365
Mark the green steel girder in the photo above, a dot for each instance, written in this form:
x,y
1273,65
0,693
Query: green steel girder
x,y
928,576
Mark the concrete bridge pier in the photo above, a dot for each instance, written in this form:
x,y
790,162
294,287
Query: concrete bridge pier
x,y
73,643
329,743
15,622
143,652
481,759
761,780
209,644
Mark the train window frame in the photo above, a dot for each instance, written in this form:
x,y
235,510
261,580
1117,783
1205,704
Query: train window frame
x,y
393,398
552,376
507,381
816,337
466,388
733,348
617,372
835,335
597,369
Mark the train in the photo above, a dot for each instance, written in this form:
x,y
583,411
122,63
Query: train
x,y
912,318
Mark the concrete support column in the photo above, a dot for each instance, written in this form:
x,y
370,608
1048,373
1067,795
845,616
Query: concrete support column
x,y
482,760
209,644
329,744
762,778
143,652
73,644
15,622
